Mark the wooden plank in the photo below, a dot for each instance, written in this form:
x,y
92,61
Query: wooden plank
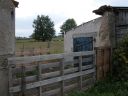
x,y
48,75
54,74
51,92
27,68
43,66
55,64
69,87
57,73
87,59
66,88
50,65
33,67
83,60
53,80
84,53
55,91
30,59
28,79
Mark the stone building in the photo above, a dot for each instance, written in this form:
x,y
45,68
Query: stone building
x,y
102,34
7,40
84,31
113,22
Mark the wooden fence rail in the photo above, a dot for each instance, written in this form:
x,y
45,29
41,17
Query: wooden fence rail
x,y
51,75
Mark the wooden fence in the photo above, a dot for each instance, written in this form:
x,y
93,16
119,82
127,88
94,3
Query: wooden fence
x,y
51,75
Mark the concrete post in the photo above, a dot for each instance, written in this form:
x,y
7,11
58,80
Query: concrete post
x,y
7,41
106,29
106,39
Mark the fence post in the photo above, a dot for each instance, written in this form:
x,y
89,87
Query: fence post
x,y
39,77
23,81
80,69
62,73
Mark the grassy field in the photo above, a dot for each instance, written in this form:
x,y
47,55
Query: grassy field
x,y
32,46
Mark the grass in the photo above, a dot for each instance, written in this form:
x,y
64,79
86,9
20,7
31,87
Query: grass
x,y
57,46
105,88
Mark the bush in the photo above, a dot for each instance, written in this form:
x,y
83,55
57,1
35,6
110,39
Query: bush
x,y
105,88
120,60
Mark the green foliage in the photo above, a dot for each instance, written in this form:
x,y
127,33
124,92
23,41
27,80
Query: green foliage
x,y
105,88
43,28
68,25
120,60
32,36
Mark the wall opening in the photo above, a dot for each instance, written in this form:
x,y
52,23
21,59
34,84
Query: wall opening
x,y
82,44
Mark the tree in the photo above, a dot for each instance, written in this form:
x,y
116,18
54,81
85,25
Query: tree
x,y
67,25
32,35
43,28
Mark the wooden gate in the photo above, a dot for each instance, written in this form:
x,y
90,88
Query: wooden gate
x,y
50,75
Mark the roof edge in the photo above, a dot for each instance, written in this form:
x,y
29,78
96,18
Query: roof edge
x,y
84,23
15,3
102,9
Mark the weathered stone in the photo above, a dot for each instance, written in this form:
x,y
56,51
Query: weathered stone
x,y
7,42
4,75
106,29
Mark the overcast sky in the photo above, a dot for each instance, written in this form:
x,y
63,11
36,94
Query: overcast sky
x,y
58,11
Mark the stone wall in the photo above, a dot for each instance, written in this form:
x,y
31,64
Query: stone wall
x,y
7,42
7,27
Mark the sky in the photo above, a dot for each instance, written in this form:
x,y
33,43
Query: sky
x,y
59,11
